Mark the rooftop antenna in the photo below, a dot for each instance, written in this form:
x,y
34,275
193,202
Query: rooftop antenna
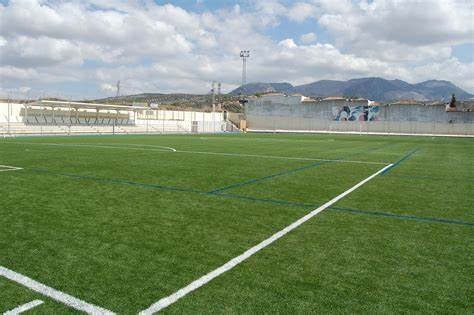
x,y
244,54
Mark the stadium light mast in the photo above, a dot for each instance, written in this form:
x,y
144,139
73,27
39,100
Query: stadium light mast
x,y
244,54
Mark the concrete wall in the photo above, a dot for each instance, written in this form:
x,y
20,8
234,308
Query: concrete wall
x,y
266,114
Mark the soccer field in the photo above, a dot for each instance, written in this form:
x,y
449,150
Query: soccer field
x,y
122,223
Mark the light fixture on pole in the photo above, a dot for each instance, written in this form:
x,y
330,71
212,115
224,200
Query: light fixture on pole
x,y
244,54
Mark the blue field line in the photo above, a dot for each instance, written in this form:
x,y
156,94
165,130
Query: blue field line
x,y
259,179
402,216
400,161
169,188
255,199
116,181
291,171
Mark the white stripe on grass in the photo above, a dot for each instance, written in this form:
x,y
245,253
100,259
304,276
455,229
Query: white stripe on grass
x,y
280,157
98,145
6,168
23,308
59,296
169,149
167,301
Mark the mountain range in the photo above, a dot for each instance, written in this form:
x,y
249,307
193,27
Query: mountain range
x,y
376,89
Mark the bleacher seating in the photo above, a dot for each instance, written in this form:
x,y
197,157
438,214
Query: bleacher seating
x,y
40,116
64,118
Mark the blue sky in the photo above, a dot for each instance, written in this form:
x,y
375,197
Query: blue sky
x,y
79,49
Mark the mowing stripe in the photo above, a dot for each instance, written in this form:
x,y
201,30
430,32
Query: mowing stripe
x,y
169,149
281,157
250,198
23,308
402,216
166,301
268,200
169,188
460,180
117,181
403,159
59,296
265,200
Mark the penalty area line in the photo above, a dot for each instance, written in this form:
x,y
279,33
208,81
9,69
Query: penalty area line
x,y
167,301
23,308
6,168
156,148
54,294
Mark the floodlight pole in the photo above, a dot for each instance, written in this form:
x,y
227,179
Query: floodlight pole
x,y
244,54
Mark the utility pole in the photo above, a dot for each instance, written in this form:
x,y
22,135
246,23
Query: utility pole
x,y
244,54
118,88
219,101
213,91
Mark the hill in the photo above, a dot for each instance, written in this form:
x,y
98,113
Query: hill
x,y
253,88
377,89
176,101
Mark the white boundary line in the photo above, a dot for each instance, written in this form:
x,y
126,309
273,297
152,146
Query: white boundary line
x,y
6,168
23,308
166,301
169,149
280,157
99,145
53,293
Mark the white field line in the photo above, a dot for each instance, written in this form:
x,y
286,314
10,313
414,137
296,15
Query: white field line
x,y
6,168
23,308
86,145
166,301
268,139
280,157
169,149
59,296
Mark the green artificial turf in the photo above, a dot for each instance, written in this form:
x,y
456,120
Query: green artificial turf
x,y
122,221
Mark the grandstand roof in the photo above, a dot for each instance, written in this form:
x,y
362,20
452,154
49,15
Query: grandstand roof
x,y
85,105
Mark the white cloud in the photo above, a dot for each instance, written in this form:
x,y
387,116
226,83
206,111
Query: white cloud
x,y
146,45
302,11
308,38
21,92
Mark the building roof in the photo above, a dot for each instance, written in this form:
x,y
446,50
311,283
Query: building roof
x,y
85,105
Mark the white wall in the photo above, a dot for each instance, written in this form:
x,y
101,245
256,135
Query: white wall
x,y
11,121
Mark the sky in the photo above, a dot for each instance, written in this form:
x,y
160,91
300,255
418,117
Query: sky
x,y
80,49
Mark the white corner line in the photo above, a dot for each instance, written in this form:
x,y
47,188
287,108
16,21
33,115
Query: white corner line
x,y
59,296
23,308
6,168
167,301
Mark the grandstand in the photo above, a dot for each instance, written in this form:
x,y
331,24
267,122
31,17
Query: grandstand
x,y
45,117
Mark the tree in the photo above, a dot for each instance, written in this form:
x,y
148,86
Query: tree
x,y
452,104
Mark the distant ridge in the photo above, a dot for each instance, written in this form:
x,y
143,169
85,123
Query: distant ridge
x,y
376,89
